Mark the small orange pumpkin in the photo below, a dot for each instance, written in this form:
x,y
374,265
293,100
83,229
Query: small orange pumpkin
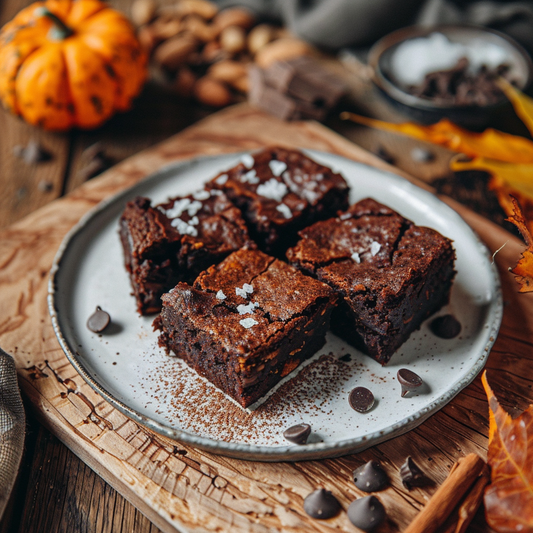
x,y
69,63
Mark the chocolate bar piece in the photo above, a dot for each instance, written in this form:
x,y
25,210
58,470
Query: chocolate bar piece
x,y
295,89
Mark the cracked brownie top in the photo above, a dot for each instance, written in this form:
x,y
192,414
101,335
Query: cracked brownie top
x,y
248,299
370,247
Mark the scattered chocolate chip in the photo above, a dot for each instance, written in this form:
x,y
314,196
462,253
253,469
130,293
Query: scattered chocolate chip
x,y
321,504
411,474
45,186
382,153
422,155
21,193
445,327
370,477
366,513
361,399
32,153
298,434
408,380
99,320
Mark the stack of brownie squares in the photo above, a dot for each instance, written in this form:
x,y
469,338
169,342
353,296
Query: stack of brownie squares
x,y
249,272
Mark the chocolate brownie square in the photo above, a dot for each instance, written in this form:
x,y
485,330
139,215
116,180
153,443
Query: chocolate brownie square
x,y
246,323
176,240
281,191
390,273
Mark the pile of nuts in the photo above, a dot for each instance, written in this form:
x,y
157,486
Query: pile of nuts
x,y
205,53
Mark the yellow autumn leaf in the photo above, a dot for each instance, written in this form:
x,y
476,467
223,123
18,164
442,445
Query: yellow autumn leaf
x,y
518,177
522,104
491,143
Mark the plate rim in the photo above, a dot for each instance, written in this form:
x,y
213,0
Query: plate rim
x,y
253,451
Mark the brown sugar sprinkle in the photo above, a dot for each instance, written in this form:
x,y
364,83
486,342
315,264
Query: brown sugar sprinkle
x,y
198,407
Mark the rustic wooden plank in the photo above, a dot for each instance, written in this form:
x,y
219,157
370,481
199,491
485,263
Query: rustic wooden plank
x,y
26,187
201,490
157,113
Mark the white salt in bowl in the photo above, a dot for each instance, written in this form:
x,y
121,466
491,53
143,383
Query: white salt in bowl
x,y
403,57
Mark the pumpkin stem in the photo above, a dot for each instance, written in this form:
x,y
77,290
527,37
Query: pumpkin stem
x,y
59,30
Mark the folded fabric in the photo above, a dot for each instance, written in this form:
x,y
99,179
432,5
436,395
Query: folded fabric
x,y
358,23
12,424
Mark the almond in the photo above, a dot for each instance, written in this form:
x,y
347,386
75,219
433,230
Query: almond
x,y
197,26
233,39
142,12
241,84
234,16
202,8
286,48
212,52
185,80
173,53
260,36
227,71
148,38
212,92
166,27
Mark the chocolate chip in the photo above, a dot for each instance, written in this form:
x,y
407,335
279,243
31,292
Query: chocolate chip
x,y
361,399
370,477
384,154
445,327
366,513
321,504
32,153
99,320
422,155
408,380
411,474
298,434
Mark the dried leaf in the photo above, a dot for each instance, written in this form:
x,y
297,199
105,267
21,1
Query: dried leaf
x,y
509,497
522,104
491,144
523,270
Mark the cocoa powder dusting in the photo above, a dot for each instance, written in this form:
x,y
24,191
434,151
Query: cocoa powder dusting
x,y
199,407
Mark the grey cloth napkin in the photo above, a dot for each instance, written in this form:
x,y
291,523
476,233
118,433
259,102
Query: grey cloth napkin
x,y
12,425
358,23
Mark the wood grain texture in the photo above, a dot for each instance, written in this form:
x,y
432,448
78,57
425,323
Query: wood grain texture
x,y
182,489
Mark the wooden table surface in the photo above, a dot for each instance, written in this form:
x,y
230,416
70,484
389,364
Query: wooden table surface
x,y
56,491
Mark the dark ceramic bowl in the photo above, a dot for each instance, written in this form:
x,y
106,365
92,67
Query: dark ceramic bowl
x,y
426,110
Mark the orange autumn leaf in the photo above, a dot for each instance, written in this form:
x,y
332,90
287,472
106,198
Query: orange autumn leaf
x,y
509,498
523,271
491,144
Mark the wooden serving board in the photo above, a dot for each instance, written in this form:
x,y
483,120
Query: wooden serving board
x,y
183,489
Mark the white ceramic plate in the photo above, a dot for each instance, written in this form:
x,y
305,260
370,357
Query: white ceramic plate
x,y
126,366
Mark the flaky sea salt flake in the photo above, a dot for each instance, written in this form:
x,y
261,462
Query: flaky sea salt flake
x,y
273,189
375,247
250,177
248,161
201,195
285,210
241,292
247,309
220,295
277,167
248,322
248,288
356,257
222,179
178,208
